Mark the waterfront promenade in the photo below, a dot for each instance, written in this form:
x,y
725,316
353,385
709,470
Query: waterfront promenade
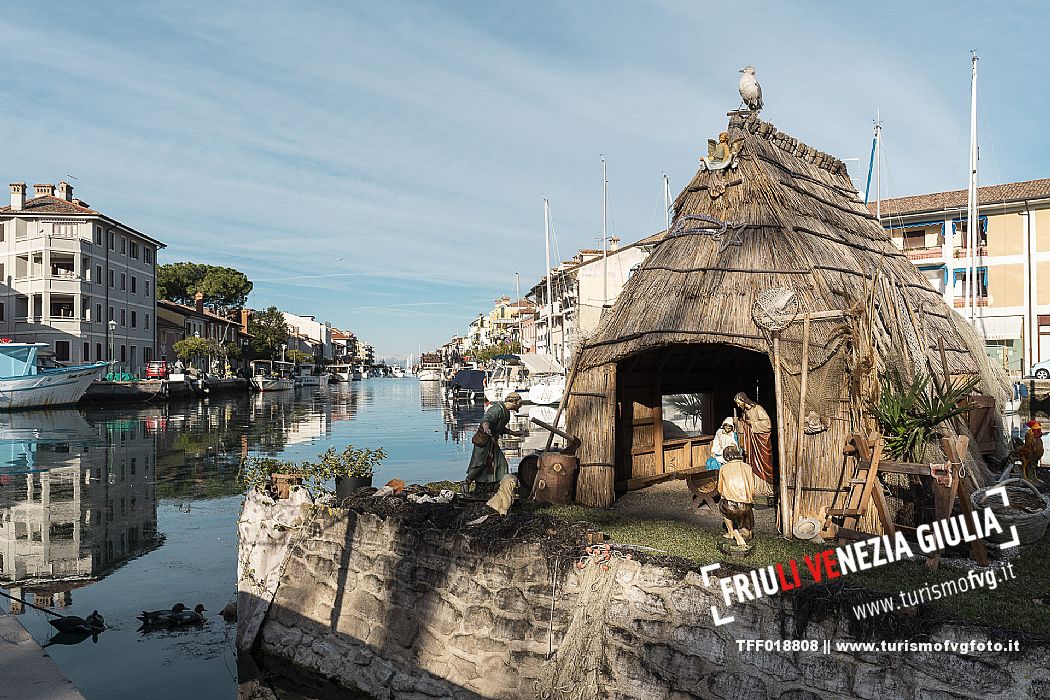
x,y
30,674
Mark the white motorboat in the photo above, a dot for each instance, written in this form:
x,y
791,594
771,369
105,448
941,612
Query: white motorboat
x,y
536,377
24,385
309,376
431,369
272,375
397,372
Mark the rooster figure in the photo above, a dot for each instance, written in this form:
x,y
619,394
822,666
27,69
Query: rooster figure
x,y
1030,452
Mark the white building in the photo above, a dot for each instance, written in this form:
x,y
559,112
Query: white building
x,y
309,335
67,270
582,288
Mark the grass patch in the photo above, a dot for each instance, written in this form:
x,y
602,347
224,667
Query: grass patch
x,y
1011,605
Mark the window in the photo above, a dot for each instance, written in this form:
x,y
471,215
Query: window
x,y
111,313
123,357
147,321
85,269
133,249
87,352
123,245
147,254
98,351
133,284
112,241
2,277
962,289
111,278
914,238
133,320
123,317
3,317
1,232
147,288
98,274
98,312
98,235
62,350
123,281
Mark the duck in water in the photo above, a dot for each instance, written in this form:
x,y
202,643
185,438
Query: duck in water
x,y
188,617
71,623
160,617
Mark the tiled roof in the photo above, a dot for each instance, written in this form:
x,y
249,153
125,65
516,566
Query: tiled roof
x,y
956,199
47,204
186,309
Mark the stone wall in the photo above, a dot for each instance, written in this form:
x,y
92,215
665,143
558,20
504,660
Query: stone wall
x,y
402,613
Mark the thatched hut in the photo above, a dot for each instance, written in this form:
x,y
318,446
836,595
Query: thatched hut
x,y
721,304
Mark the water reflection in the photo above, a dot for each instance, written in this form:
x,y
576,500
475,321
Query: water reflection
x,y
76,501
125,509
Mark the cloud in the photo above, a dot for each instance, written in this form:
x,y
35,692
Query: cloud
x,y
350,156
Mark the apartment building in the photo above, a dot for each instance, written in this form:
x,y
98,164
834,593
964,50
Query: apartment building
x,y
77,279
1012,246
307,334
581,289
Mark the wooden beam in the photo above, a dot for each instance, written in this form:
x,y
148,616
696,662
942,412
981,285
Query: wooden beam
x,y
785,525
796,501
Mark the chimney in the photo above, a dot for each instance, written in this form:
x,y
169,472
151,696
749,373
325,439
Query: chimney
x,y
245,315
198,299
614,244
65,191
18,196
43,190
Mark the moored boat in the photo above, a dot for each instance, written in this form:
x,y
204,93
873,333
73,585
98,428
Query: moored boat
x,y
431,369
24,385
271,376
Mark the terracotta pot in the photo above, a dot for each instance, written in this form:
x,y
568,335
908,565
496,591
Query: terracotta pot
x,y
281,484
346,485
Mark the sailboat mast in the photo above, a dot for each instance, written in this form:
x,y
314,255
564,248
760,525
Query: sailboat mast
x,y
550,296
605,236
878,166
667,203
972,219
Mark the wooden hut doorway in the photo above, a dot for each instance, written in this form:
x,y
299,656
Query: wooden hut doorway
x,y
672,399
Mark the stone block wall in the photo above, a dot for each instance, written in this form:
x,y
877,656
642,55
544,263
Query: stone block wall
x,y
403,613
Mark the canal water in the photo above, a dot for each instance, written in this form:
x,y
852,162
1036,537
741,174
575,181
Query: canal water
x,y
130,509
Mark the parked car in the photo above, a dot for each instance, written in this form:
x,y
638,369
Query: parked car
x,y
1041,370
157,370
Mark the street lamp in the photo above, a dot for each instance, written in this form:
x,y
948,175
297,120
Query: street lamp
x,y
283,348
112,325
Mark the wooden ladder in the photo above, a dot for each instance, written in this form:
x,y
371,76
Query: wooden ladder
x,y
864,489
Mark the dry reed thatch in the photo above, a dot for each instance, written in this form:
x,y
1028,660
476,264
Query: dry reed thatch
x,y
798,223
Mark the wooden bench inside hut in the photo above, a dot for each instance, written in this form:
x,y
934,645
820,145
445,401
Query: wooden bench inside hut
x,y
670,402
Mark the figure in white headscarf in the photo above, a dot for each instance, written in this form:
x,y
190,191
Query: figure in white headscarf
x,y
723,438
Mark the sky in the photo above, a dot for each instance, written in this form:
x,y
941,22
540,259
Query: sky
x,y
382,166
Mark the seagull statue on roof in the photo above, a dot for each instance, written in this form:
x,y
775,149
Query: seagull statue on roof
x,y
750,90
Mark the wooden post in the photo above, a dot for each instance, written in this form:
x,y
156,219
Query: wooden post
x,y
564,397
785,526
793,513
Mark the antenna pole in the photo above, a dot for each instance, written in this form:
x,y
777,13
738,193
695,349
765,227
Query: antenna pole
x,y
667,203
550,300
973,222
605,236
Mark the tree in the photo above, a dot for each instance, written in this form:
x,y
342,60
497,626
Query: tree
x,y
222,287
268,330
188,348
486,354
298,356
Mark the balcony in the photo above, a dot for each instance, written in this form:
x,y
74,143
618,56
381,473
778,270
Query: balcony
x,y
962,303
982,250
927,253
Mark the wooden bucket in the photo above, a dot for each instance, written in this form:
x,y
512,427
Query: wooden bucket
x,y
556,478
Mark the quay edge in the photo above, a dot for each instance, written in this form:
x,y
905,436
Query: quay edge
x,y
37,676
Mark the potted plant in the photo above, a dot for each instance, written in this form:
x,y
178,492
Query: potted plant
x,y
352,468
272,476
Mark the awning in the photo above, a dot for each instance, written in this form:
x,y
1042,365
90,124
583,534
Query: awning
x,y
999,327
541,363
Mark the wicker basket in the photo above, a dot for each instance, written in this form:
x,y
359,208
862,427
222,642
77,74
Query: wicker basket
x,y
1031,526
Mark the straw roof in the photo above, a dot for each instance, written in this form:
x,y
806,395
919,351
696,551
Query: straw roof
x,y
797,222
